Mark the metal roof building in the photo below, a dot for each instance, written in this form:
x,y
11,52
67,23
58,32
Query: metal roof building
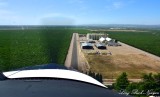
x,y
86,45
101,46
113,43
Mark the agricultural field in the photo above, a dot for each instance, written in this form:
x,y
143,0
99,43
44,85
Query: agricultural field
x,y
20,48
148,41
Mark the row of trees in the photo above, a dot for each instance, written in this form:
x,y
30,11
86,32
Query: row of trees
x,y
150,85
96,76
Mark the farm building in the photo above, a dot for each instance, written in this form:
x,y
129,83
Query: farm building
x,y
86,45
101,46
102,39
113,42
95,36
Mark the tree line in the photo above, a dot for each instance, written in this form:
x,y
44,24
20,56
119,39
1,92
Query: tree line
x,y
150,85
96,76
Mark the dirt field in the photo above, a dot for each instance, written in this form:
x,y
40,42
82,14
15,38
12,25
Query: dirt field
x,y
124,59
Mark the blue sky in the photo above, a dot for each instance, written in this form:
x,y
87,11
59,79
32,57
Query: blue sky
x,y
73,12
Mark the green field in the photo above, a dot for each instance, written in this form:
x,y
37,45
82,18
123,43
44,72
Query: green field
x,y
20,48
147,41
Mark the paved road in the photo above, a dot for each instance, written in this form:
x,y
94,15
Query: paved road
x,y
111,81
74,59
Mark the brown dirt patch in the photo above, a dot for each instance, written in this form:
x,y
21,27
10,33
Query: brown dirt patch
x,y
134,64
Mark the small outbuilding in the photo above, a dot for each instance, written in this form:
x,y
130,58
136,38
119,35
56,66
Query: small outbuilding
x,y
113,42
101,46
86,45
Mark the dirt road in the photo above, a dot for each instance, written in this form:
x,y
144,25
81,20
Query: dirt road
x,y
72,56
74,60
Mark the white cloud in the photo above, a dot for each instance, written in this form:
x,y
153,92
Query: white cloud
x,y
9,17
76,1
48,15
117,5
56,19
81,5
3,4
4,12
